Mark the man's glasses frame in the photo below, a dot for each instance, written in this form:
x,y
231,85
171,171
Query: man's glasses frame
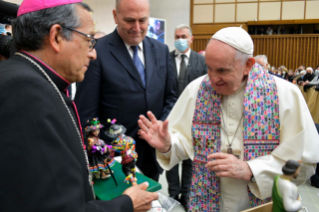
x,y
93,40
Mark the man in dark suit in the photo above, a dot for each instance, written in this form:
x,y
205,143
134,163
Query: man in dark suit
x,y
44,162
188,65
132,74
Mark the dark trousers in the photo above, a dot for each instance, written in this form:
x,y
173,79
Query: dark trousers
x,y
149,166
172,176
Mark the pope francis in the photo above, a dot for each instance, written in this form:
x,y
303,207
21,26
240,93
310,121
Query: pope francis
x,y
239,125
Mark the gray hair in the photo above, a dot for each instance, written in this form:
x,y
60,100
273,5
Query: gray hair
x,y
118,2
30,29
264,57
290,167
184,26
243,57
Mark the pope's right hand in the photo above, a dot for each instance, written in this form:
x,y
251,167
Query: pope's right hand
x,y
155,132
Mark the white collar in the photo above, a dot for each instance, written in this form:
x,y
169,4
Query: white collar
x,y
139,45
178,53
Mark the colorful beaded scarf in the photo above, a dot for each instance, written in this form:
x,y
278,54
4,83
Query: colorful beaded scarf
x,y
261,134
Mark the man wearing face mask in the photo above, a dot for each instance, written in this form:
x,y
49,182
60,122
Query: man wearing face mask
x,y
313,82
188,65
308,77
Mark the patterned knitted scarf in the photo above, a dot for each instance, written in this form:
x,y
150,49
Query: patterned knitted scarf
x,y
261,134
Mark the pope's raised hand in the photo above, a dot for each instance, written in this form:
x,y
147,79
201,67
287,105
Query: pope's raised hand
x,y
155,132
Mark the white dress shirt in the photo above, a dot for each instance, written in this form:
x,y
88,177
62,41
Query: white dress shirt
x,y
178,59
139,52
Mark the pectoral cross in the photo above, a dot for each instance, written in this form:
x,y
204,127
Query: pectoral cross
x,y
230,151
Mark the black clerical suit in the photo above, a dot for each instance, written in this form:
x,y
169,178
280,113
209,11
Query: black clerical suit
x,y
196,67
43,166
113,88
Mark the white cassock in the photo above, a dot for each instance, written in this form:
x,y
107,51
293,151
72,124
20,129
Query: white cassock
x,y
298,140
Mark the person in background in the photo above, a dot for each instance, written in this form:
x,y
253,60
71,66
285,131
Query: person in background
x,y
188,65
202,53
131,75
301,68
284,72
290,76
99,34
308,77
269,31
262,60
279,73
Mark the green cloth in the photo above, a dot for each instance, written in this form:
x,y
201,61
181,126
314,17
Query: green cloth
x,y
107,190
278,205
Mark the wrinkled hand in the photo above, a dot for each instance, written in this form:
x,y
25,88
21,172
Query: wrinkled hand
x,y
227,165
141,199
155,132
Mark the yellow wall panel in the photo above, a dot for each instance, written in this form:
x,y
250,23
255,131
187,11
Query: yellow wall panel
x,y
224,1
203,1
203,14
225,13
269,11
312,10
292,10
243,15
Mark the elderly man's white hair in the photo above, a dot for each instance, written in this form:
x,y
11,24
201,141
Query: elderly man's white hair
x,y
264,57
309,68
184,26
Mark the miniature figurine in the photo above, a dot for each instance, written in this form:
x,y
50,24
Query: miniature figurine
x,y
285,193
98,151
124,145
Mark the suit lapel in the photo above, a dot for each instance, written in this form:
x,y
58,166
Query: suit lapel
x,y
191,62
121,53
172,54
150,59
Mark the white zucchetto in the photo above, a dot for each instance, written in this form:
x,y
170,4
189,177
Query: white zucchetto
x,y
237,38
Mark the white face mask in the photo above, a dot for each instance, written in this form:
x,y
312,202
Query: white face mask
x,y
316,71
283,72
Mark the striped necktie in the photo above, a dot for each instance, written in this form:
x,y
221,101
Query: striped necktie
x,y
138,63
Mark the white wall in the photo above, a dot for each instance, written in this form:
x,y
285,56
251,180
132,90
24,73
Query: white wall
x,y
102,14
175,12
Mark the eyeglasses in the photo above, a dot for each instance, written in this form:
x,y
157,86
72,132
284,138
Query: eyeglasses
x,y
93,40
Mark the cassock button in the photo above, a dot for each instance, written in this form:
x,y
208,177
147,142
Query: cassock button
x,y
231,114
230,134
227,200
230,124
